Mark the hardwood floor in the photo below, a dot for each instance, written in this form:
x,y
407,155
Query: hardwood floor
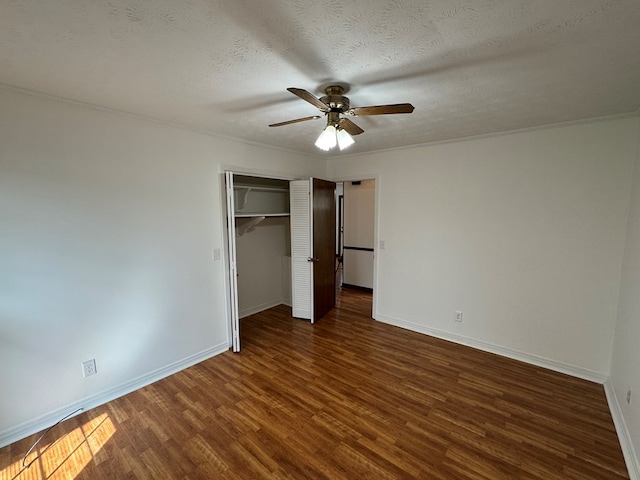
x,y
347,398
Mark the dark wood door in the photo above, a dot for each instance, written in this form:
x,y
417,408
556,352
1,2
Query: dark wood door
x,y
324,247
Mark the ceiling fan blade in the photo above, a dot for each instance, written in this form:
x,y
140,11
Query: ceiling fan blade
x,y
306,96
382,109
350,127
288,122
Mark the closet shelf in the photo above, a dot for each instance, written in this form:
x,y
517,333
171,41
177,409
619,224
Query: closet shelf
x,y
260,189
250,215
260,200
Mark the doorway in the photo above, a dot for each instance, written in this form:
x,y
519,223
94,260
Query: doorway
x,y
358,234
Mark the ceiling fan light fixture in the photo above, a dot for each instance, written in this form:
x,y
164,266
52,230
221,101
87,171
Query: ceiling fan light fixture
x,y
344,139
327,139
339,131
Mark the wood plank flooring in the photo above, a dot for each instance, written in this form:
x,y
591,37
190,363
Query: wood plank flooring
x,y
348,398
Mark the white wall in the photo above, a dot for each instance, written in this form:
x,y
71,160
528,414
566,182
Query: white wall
x,y
264,265
625,365
522,232
107,225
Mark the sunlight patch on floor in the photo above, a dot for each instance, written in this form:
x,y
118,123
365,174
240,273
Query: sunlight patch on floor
x,y
64,457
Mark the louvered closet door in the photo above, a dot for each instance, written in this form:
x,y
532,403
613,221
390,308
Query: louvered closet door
x,y
301,249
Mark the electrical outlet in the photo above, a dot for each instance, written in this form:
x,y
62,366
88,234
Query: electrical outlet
x,y
216,254
89,368
458,317
629,395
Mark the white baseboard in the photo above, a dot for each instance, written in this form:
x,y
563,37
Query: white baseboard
x,y
42,422
549,364
630,455
259,308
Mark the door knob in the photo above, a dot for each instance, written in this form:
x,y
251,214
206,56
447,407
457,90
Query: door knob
x,y
309,259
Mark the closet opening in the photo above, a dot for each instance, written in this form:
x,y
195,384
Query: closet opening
x,y
259,246
281,247
263,247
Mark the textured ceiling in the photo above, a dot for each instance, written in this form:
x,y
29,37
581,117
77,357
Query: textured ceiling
x,y
222,66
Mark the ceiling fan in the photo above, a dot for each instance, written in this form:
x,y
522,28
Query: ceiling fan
x,y
339,130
